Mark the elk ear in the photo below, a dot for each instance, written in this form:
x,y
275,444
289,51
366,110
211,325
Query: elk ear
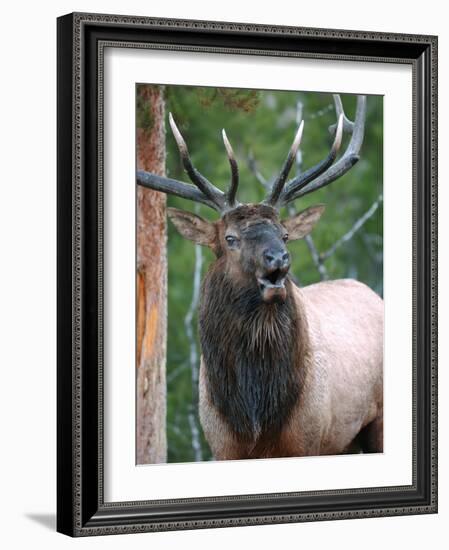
x,y
192,227
302,224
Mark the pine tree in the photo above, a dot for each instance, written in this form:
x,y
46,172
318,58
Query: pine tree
x,y
151,287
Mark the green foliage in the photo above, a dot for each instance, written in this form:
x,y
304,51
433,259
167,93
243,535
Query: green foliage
x,y
144,117
263,123
233,100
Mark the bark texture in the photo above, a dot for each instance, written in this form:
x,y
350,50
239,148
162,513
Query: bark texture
x,y
151,287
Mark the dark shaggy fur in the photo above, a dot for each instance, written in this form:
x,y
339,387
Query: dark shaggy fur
x,y
251,351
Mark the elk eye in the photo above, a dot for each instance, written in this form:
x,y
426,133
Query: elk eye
x,y
285,237
231,240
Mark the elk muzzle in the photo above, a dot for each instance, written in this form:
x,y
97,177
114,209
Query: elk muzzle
x,y
272,273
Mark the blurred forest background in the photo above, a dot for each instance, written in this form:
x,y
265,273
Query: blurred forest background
x,y
348,241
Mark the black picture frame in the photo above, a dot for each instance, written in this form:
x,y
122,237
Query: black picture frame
x,y
81,509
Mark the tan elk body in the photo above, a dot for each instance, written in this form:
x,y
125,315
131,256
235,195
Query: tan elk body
x,y
342,395
285,371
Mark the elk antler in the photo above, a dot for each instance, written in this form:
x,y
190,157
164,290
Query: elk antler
x,y
280,180
234,172
203,191
325,171
281,193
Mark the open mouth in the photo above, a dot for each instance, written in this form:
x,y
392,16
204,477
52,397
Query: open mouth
x,y
272,286
275,279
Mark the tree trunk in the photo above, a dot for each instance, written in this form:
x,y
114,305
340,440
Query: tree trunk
x,y
151,289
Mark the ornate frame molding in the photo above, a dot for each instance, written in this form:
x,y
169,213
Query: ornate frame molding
x,y
81,42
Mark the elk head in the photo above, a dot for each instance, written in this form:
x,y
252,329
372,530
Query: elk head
x,y
250,239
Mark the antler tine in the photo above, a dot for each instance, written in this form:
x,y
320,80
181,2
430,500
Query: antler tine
x,y
345,163
231,194
348,125
279,183
295,185
205,186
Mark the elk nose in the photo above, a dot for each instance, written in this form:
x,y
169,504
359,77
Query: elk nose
x,y
276,259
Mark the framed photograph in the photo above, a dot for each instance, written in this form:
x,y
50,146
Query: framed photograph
x,y
247,274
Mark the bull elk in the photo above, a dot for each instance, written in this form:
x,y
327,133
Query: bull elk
x,y
285,371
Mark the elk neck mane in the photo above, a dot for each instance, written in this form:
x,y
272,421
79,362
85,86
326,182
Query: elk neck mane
x,y
253,354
